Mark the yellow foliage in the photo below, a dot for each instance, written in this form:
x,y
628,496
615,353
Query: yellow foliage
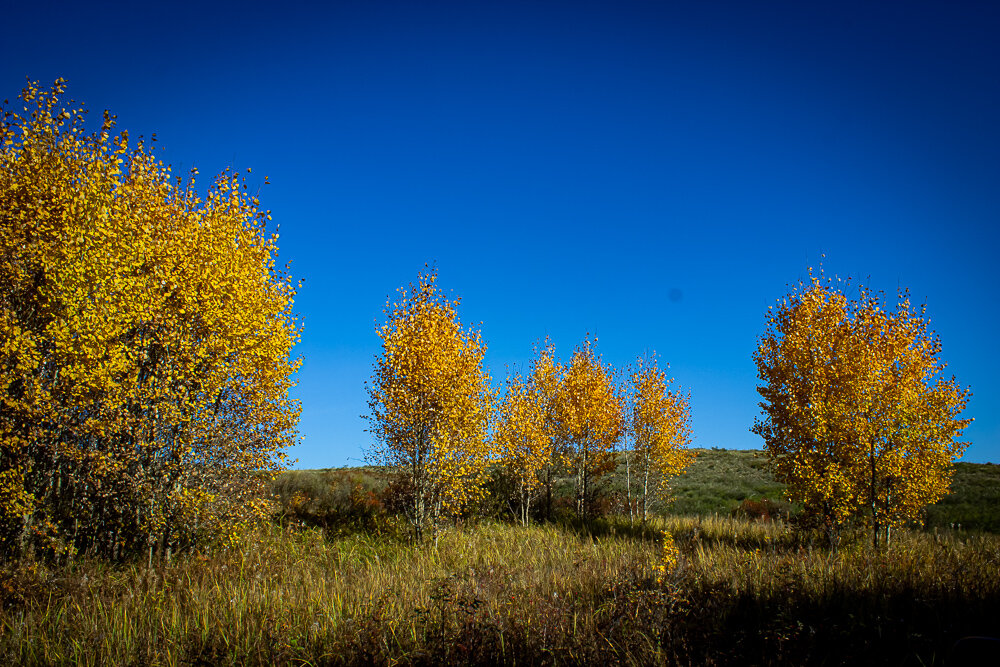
x,y
859,420
589,421
669,558
430,402
660,428
523,430
145,338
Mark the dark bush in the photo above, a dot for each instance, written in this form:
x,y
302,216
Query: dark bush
x,y
761,509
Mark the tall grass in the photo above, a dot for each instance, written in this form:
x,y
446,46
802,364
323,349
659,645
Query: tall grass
x,y
743,592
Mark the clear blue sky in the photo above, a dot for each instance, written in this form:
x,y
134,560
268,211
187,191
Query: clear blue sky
x,y
654,173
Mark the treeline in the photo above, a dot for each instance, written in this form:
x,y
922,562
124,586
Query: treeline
x,y
717,483
859,421
437,421
373,499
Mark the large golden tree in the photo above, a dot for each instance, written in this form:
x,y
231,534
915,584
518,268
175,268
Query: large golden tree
x,y
430,402
858,418
145,339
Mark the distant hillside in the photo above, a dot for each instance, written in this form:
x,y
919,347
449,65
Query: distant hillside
x,y
716,483
720,479
974,501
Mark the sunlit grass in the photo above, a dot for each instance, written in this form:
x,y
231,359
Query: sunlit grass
x,y
502,593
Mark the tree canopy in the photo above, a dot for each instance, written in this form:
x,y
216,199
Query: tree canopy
x,y
523,430
145,342
659,426
589,421
430,402
858,418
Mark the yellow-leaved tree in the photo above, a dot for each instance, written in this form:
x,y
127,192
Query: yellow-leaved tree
x,y
523,430
589,422
858,418
660,430
145,339
430,402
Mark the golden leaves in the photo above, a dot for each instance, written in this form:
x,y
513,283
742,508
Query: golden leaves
x,y
857,414
660,429
430,402
146,334
589,420
523,431
588,409
430,407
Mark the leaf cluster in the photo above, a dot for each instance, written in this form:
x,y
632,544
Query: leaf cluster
x,y
145,339
436,419
858,418
430,401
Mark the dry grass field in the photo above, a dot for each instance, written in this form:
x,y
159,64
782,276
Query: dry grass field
x,y
743,592
336,581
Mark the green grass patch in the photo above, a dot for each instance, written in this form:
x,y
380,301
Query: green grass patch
x,y
720,479
974,501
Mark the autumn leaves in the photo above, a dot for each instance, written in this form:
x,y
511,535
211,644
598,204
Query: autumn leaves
x,y
145,339
858,418
145,365
430,404
435,417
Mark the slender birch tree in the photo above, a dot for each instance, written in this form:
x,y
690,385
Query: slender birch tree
x,y
660,431
523,431
430,402
589,422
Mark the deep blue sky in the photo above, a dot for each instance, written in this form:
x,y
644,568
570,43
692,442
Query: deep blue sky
x,y
656,174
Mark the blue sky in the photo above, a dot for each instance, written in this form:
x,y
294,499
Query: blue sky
x,y
655,174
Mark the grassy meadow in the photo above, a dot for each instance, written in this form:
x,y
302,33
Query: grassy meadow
x,y
335,581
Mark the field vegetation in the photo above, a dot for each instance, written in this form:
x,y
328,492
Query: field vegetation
x,y
974,503
720,482
742,592
338,579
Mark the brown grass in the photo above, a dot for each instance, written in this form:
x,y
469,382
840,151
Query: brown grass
x,y
743,592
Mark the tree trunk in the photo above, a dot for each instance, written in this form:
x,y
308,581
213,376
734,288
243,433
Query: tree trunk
x,y
418,497
525,502
582,479
628,486
873,496
645,493
548,494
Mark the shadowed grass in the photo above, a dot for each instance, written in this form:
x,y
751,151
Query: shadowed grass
x,y
743,592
